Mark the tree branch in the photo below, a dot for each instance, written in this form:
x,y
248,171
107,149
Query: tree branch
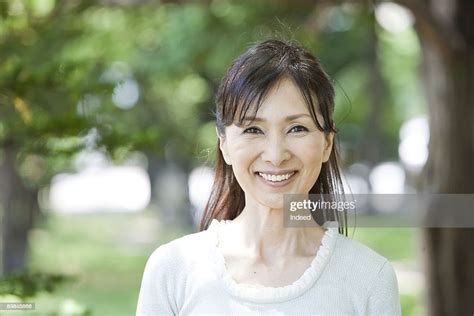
x,y
429,29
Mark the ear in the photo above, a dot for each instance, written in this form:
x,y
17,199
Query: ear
x,y
328,143
223,147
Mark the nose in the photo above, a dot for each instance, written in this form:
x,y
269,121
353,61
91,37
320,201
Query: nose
x,y
276,150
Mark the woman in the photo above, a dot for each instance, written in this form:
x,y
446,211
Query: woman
x,y
275,136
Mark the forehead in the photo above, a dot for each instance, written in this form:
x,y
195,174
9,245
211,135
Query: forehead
x,y
283,99
283,102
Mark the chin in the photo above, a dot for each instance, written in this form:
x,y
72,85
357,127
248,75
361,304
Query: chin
x,y
276,202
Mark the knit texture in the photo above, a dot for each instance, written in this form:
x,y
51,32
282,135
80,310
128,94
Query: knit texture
x,y
189,276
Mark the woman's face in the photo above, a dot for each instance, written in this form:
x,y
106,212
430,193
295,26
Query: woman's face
x,y
280,152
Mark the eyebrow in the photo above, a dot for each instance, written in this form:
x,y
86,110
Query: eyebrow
x,y
287,119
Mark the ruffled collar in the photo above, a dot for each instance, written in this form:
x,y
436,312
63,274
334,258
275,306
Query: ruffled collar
x,y
264,294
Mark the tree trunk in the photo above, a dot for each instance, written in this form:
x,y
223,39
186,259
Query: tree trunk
x,y
18,205
446,33
372,145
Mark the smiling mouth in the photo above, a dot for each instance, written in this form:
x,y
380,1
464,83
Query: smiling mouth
x,y
276,180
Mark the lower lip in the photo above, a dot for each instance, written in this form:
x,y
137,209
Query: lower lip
x,y
278,184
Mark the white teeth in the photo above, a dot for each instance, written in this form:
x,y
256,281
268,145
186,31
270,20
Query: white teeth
x,y
275,178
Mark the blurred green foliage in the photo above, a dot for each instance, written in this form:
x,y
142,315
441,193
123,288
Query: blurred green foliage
x,y
61,63
28,284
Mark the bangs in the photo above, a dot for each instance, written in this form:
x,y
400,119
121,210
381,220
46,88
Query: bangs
x,y
246,99
247,103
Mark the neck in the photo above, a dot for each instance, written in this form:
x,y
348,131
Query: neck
x,y
259,230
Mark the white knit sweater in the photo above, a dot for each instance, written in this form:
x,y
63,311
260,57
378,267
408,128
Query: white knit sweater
x,y
188,276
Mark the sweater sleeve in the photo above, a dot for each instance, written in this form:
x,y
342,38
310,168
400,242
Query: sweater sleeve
x,y
157,288
383,297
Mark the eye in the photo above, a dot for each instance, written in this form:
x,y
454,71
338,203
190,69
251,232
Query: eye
x,y
299,128
251,130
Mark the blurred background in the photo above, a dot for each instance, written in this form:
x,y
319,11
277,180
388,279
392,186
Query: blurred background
x,y
107,137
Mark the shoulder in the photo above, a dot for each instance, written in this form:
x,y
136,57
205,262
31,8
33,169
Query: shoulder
x,y
359,265
356,255
166,272
365,271
181,252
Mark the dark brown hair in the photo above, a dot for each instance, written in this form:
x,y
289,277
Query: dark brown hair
x,y
243,89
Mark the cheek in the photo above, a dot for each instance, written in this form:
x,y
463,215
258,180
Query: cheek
x,y
243,156
311,153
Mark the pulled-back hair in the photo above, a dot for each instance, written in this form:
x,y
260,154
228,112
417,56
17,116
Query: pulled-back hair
x,y
243,90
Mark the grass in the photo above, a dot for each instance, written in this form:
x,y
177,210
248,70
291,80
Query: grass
x,y
393,243
107,253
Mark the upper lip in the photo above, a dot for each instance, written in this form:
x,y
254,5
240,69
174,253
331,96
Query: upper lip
x,y
277,173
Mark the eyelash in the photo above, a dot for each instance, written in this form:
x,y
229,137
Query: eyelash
x,y
255,128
